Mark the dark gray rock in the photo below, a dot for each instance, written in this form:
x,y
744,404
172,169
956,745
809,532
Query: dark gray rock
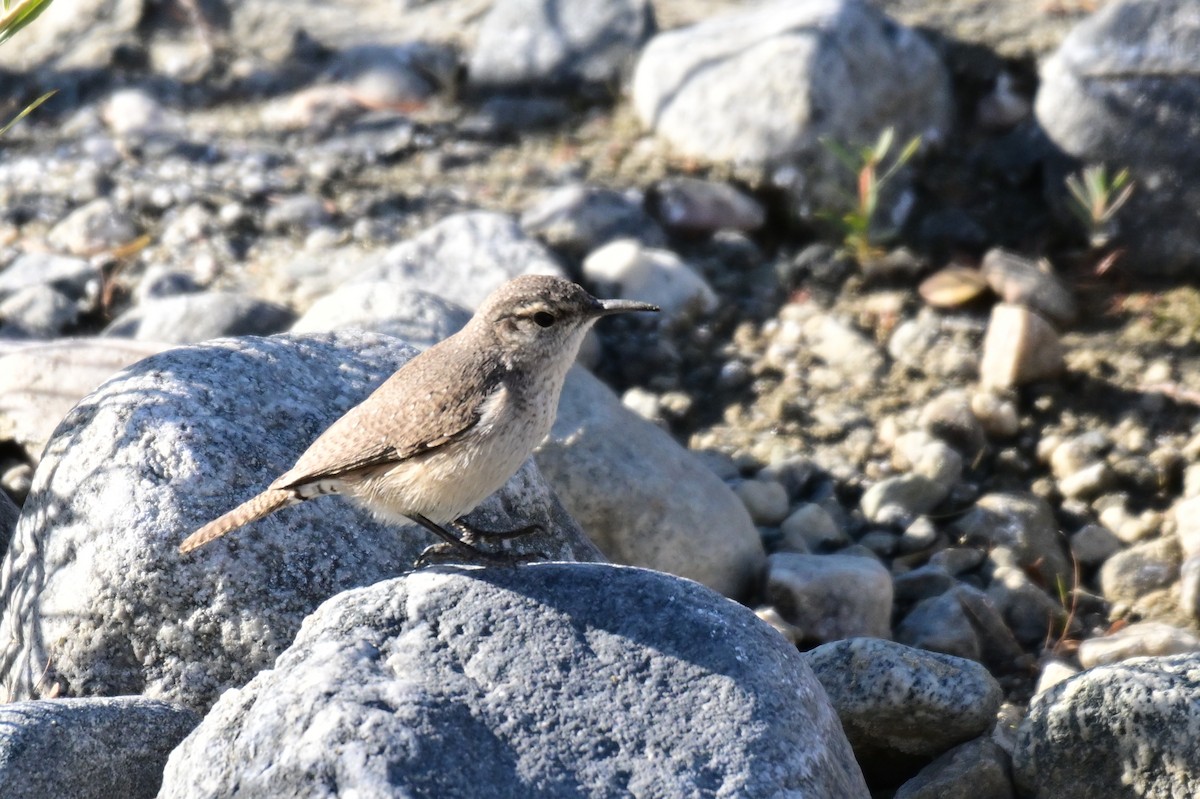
x,y
190,318
578,219
9,513
978,769
899,705
1025,524
761,86
88,748
550,680
1132,725
416,316
95,598
465,257
558,43
1122,90
939,624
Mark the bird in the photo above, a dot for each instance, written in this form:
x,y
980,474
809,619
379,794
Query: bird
x,y
450,426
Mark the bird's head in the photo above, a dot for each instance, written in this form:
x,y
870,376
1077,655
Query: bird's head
x,y
540,318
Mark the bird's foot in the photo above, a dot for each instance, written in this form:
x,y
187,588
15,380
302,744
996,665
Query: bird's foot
x,y
472,535
464,553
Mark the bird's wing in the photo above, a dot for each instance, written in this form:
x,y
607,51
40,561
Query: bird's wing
x,y
415,411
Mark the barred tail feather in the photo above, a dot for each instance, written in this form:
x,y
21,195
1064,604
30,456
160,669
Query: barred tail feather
x,y
251,510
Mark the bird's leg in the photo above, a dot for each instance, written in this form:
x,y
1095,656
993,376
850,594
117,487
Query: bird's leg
x,y
473,534
454,545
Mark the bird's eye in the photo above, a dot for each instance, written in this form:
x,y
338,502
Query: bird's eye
x,y
543,319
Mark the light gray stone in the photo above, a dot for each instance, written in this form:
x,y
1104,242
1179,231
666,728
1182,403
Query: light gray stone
x,y
40,311
88,748
978,769
579,218
74,35
761,86
416,316
831,597
464,257
693,206
657,276
644,499
1141,639
1133,725
548,680
74,277
900,705
92,228
949,416
1121,91
40,383
93,575
190,318
558,43
1142,568
900,499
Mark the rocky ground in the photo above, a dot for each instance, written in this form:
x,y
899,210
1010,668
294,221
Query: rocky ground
x,y
954,465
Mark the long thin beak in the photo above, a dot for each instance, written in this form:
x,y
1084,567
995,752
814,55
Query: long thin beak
x,y
610,307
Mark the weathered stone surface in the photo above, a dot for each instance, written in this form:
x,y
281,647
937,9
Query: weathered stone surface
x,y
645,500
416,316
898,703
9,513
97,601
1023,523
88,748
1020,347
830,597
548,680
41,382
761,86
978,769
465,257
1130,727
189,318
558,43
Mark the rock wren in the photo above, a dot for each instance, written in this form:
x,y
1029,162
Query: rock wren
x,y
452,425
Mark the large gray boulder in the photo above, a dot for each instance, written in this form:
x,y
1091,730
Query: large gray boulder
x,y
1132,725
95,598
644,499
1122,90
558,43
88,748
552,680
465,257
760,87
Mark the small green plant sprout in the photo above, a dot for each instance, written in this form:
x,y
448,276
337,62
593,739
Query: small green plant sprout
x,y
873,170
13,17
1096,199
18,14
